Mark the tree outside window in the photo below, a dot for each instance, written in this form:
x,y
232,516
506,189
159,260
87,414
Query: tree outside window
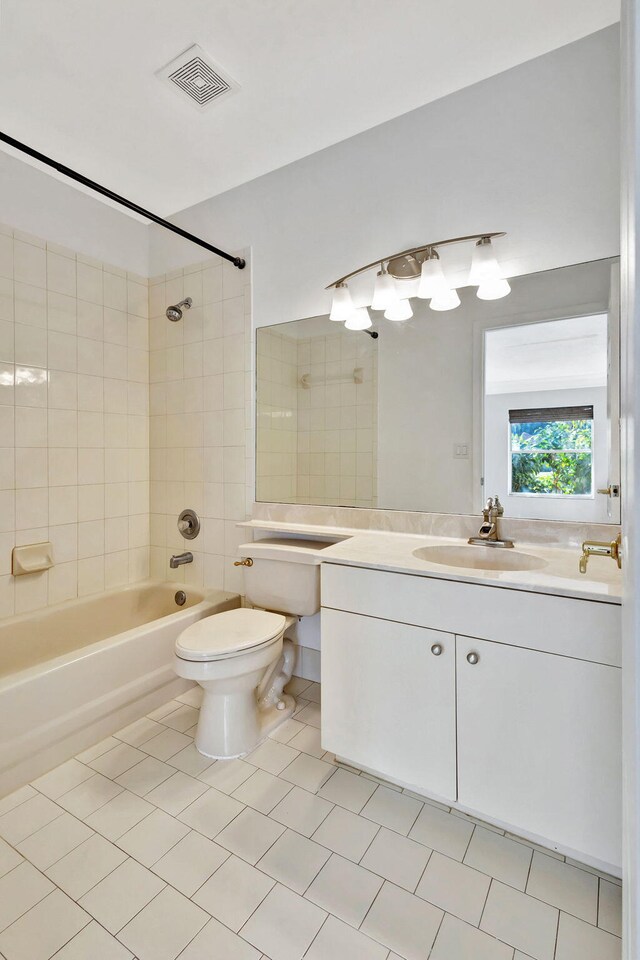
x,y
552,455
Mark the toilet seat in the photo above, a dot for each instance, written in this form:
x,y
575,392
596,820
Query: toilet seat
x,y
229,634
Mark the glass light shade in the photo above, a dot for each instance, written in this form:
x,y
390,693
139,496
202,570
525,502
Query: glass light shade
x,y
359,319
484,265
407,288
433,282
446,301
384,291
342,306
399,311
493,289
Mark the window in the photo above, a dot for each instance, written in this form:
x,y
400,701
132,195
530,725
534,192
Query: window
x,y
551,451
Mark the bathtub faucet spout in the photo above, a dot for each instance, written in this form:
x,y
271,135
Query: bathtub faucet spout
x,y
177,560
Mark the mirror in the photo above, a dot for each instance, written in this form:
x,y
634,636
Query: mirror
x,y
518,396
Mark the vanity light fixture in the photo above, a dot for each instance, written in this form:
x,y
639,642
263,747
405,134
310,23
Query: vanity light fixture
x,y
342,306
418,272
385,293
358,320
401,310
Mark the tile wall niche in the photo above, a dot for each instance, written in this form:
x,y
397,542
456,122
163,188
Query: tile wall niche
x,y
201,437
74,454
317,432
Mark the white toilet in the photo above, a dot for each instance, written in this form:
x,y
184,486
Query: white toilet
x,y
240,657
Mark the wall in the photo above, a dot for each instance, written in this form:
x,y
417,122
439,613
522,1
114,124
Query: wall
x,y
45,205
317,415
73,420
533,151
276,416
201,402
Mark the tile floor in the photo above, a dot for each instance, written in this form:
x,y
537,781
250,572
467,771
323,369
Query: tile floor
x,y
140,847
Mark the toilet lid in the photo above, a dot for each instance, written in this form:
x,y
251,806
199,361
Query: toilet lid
x,y
228,633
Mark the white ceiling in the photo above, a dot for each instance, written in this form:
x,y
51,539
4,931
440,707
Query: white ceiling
x,y
77,78
554,355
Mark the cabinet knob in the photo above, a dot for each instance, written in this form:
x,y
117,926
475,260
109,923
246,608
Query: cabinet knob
x,y
436,649
472,658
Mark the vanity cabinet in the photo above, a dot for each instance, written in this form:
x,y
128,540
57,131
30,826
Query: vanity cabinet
x,y
539,744
514,716
389,702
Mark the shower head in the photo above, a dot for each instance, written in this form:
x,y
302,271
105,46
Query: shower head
x,y
175,312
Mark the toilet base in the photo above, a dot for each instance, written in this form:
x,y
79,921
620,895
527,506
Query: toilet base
x,y
249,728
269,720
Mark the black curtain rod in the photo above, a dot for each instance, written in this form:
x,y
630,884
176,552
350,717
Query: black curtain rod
x,y
238,262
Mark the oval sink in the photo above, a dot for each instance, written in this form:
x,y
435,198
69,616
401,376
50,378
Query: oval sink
x,y
479,558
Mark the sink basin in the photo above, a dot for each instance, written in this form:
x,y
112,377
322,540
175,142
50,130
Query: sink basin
x,y
479,558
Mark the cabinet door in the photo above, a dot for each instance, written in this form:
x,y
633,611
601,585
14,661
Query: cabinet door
x,y
388,699
539,744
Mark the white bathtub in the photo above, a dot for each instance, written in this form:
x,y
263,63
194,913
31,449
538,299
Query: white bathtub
x,y
77,672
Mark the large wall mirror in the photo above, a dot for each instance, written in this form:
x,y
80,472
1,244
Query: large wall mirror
x,y
518,397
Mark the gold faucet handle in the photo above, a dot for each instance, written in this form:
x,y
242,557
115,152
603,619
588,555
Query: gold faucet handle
x,y
601,548
245,562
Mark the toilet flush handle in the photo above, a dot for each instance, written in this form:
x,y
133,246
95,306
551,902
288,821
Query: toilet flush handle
x,y
245,562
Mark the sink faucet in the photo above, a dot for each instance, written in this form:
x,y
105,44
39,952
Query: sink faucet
x,y
177,560
488,532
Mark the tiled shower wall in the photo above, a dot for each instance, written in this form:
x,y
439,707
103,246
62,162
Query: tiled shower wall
x,y
201,440
277,416
317,425
73,421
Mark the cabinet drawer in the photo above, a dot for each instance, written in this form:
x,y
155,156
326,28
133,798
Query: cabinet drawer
x,y
388,700
584,629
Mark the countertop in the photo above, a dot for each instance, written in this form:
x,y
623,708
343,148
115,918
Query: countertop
x,y
393,552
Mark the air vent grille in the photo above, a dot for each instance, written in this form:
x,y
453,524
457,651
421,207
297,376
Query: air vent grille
x,y
195,75
199,81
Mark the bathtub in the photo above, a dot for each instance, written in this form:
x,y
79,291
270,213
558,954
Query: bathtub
x,y
77,672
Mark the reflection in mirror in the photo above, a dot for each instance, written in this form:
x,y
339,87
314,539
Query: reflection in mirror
x,y
517,397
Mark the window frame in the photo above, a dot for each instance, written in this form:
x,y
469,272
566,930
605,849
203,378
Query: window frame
x,y
549,496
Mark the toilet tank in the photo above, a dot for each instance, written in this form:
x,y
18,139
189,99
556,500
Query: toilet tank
x,y
284,575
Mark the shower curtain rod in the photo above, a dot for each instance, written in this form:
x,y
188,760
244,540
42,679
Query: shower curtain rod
x,y
238,262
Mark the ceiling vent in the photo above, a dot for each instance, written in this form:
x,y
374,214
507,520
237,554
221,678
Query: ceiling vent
x,y
195,76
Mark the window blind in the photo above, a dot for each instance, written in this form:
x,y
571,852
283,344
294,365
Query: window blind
x,y
540,414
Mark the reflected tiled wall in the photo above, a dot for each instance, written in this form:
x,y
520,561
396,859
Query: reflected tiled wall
x,y
317,419
277,416
201,441
73,421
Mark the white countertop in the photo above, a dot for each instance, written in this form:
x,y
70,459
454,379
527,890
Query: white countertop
x,y
394,552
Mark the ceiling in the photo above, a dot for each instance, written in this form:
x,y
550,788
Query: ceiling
x,y
554,355
78,78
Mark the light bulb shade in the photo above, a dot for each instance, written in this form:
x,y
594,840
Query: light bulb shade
x,y
433,282
407,288
359,319
493,289
484,266
384,292
399,311
342,306
446,301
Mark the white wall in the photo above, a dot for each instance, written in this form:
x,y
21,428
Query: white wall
x,y
533,151
37,203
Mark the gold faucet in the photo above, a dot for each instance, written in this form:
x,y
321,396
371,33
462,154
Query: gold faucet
x,y
488,532
601,548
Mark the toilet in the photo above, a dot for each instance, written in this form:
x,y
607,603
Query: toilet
x,y
241,657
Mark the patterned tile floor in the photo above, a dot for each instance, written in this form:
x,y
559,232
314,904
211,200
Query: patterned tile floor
x,y
140,847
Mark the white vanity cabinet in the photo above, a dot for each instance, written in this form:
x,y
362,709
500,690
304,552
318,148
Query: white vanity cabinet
x,y
514,717
539,744
390,698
